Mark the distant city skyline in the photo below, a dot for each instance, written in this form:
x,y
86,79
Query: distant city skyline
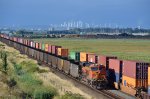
x,y
75,13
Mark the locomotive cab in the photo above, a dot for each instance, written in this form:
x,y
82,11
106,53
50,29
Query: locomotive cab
x,y
95,75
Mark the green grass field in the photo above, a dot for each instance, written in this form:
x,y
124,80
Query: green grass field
x,y
128,49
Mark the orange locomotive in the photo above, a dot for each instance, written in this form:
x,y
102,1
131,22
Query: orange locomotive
x,y
95,75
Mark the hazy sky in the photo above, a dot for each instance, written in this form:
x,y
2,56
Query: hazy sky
x,y
44,12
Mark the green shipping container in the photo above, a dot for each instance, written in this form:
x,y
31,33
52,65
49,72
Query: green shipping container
x,y
43,46
77,56
72,55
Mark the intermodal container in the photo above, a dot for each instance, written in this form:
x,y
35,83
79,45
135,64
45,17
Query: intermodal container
x,y
104,60
77,56
40,45
72,55
92,58
37,45
21,40
53,49
66,66
116,65
31,43
49,48
46,47
149,76
15,39
56,49
60,63
136,70
83,57
43,46
62,52
133,83
34,44
59,51
28,42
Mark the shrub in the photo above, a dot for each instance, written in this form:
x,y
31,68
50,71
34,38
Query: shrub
x,y
44,93
18,69
29,66
28,83
69,95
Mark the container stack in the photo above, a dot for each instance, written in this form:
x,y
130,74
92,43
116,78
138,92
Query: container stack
x,y
115,72
135,74
104,60
62,52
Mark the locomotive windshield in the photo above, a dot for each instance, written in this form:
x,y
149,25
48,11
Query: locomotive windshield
x,y
94,68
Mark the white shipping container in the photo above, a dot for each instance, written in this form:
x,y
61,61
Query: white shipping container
x,y
31,44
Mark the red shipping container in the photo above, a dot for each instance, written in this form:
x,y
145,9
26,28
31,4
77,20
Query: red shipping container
x,y
50,49
92,58
53,49
104,60
37,45
116,65
137,70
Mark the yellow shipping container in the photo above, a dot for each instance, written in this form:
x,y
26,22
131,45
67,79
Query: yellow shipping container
x,y
149,76
83,56
46,47
59,51
131,82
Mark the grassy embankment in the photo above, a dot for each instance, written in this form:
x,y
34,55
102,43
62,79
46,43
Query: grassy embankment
x,y
128,49
20,78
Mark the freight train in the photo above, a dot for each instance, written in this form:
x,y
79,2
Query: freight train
x,y
98,71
